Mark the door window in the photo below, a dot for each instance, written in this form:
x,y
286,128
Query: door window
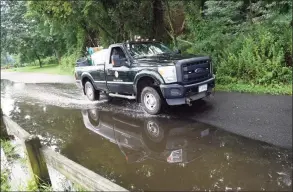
x,y
117,51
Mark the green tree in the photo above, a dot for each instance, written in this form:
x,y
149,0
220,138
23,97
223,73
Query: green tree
x,y
22,35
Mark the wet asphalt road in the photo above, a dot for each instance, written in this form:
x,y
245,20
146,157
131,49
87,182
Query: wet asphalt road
x,y
262,117
171,151
36,77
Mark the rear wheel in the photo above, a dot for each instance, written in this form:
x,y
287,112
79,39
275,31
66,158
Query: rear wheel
x,y
91,93
151,100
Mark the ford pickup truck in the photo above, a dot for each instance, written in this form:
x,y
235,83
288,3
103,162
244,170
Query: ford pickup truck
x,y
147,71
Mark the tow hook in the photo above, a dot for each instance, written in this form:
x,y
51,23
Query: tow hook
x,y
213,92
188,101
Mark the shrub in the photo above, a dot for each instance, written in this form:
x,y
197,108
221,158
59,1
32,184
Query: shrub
x,y
50,60
68,61
251,49
259,59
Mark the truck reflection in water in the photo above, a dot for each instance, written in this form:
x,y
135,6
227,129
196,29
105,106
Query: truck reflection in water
x,y
157,138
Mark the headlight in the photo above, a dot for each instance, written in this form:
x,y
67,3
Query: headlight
x,y
168,73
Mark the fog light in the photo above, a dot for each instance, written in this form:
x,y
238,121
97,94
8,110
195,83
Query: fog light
x,y
175,92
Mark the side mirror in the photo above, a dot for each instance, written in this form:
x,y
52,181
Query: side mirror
x,y
177,51
117,61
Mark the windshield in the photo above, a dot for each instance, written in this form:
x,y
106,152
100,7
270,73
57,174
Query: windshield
x,y
142,49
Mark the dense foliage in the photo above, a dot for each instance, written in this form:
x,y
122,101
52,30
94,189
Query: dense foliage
x,y
250,41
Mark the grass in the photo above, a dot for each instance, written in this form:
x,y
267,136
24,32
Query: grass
x,y
5,180
258,89
9,152
7,148
52,69
32,186
78,187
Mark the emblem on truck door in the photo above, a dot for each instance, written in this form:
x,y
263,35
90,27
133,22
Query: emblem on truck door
x,y
116,74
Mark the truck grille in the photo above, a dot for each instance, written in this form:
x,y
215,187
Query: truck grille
x,y
196,71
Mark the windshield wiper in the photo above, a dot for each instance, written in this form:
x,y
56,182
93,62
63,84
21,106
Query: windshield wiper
x,y
166,53
141,57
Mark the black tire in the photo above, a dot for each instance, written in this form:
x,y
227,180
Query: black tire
x,y
91,93
151,94
153,130
156,139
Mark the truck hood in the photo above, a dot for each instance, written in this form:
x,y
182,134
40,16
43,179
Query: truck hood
x,y
166,59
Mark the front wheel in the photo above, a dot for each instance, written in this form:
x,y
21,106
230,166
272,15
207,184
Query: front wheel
x,y
151,100
91,93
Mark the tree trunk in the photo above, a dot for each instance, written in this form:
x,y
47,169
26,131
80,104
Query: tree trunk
x,y
57,55
158,19
202,2
40,62
172,33
38,57
6,57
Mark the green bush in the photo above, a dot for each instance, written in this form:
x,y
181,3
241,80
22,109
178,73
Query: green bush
x,y
50,60
68,61
259,59
5,180
247,49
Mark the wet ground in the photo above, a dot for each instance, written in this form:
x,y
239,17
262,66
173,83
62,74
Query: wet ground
x,y
142,152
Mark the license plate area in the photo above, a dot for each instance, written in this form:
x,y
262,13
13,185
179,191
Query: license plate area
x,y
175,156
202,88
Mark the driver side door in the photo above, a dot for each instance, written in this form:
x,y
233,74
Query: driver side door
x,y
118,78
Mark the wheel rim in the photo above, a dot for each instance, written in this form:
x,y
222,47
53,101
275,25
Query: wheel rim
x,y
89,92
93,114
150,101
153,129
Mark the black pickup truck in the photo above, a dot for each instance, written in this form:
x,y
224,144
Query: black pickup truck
x,y
147,71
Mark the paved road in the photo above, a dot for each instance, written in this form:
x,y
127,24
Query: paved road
x,y
263,117
36,77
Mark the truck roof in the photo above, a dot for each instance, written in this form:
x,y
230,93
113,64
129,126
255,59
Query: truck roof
x,y
117,44
133,42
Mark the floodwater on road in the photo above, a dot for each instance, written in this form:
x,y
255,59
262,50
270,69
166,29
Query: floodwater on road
x,y
141,152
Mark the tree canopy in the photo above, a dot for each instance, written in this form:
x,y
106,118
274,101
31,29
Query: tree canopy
x,y
235,33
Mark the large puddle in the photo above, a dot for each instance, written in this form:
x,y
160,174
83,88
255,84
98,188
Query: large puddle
x,y
141,152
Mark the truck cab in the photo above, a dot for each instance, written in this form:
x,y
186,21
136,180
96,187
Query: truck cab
x,y
149,72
